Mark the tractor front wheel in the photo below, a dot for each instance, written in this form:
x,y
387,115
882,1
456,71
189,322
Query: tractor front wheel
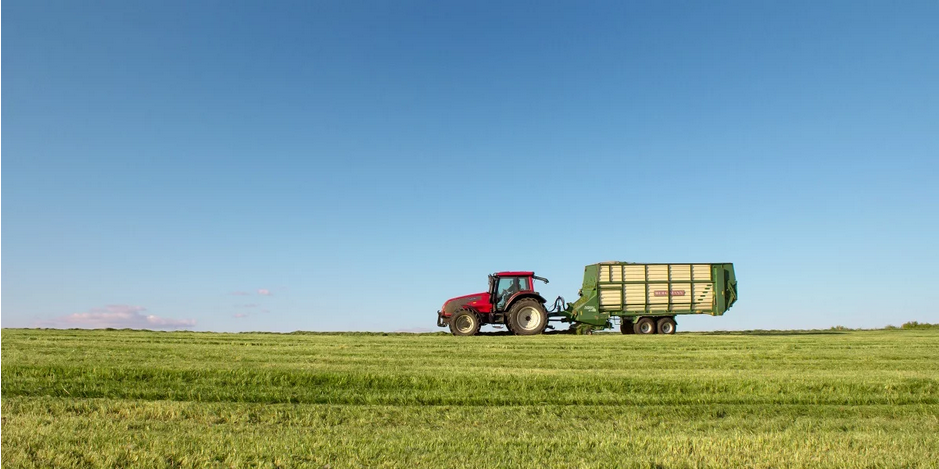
x,y
527,317
464,322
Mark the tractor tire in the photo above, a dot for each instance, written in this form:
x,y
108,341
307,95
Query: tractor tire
x,y
527,317
644,326
666,326
626,326
464,322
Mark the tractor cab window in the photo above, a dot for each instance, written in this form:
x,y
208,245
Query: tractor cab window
x,y
508,286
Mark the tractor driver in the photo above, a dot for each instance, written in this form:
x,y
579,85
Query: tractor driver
x,y
514,288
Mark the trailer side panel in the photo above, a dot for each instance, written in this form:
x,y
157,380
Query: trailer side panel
x,y
632,290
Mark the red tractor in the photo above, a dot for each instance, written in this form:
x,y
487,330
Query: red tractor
x,y
511,300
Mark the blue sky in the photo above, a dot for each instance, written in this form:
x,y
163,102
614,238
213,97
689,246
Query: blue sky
x,y
283,166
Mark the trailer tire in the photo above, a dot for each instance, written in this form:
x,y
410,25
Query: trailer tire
x,y
644,326
527,317
464,322
666,326
626,326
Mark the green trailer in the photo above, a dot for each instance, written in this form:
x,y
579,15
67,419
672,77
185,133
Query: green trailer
x,y
645,298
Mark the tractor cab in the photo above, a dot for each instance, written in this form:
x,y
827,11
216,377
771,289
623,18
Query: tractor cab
x,y
511,300
504,285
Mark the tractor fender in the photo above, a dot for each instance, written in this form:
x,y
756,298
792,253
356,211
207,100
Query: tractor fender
x,y
522,295
443,320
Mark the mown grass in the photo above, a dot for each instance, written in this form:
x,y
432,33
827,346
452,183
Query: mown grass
x,y
157,399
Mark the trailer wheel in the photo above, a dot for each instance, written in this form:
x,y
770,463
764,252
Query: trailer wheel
x,y
464,322
666,326
527,317
644,326
626,326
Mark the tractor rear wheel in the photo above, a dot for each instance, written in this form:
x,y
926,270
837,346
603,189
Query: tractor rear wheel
x,y
464,322
527,317
508,324
626,326
666,326
644,326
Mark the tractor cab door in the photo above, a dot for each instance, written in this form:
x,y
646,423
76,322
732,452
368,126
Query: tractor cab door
x,y
506,287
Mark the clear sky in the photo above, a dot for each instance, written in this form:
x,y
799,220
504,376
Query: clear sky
x,y
348,165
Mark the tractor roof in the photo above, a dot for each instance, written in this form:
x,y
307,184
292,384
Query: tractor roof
x,y
514,274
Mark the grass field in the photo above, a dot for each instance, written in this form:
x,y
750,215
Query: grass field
x,y
157,399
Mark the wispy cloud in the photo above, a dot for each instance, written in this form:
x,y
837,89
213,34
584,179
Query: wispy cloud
x,y
265,311
260,291
248,305
118,317
239,315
